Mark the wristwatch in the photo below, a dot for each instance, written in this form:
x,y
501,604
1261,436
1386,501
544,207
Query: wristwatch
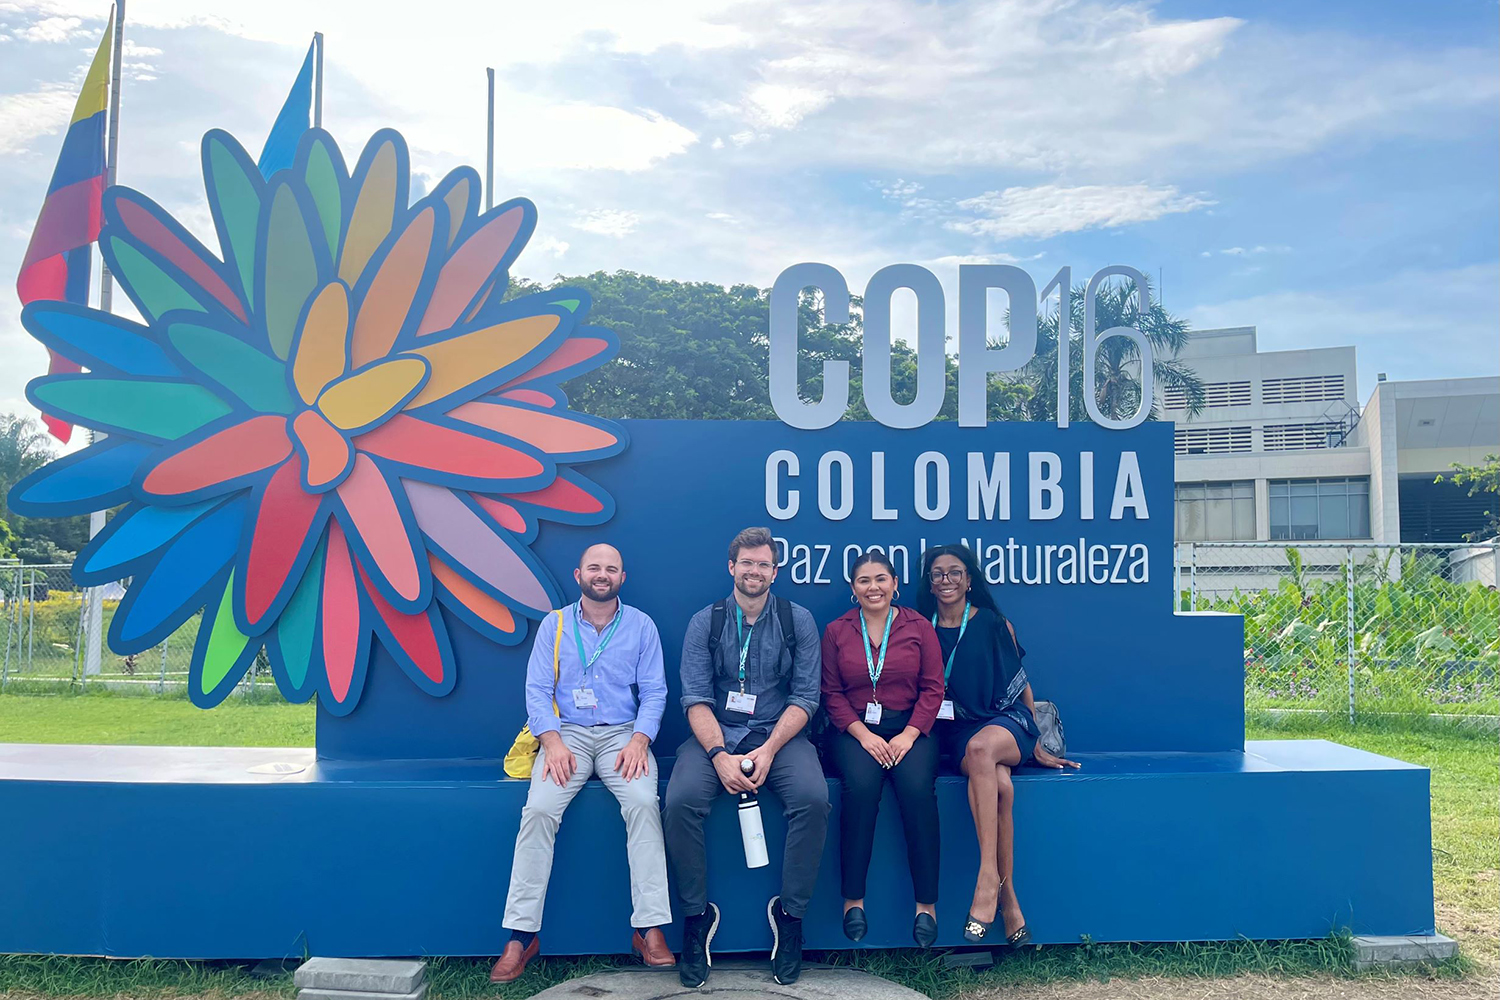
x,y
715,752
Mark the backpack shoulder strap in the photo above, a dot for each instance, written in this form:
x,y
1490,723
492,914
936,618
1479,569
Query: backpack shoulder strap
x,y
788,627
716,625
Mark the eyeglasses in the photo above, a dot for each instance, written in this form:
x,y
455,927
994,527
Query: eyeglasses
x,y
745,565
942,576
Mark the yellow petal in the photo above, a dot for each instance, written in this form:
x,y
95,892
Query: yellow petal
x,y
469,357
374,211
361,399
320,351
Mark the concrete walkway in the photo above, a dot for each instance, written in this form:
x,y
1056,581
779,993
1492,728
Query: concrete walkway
x,y
743,983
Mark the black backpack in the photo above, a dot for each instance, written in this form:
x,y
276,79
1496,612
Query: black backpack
x,y
720,613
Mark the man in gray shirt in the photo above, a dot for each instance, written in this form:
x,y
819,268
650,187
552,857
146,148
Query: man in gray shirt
x,y
749,692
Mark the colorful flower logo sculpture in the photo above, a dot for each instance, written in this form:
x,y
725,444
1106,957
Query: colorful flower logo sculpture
x,y
330,432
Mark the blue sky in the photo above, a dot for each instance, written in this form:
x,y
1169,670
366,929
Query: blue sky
x,y
1323,171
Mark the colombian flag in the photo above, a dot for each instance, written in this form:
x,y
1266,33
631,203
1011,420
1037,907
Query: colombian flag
x,y
58,259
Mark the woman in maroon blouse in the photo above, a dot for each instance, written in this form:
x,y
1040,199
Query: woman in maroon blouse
x,y
882,687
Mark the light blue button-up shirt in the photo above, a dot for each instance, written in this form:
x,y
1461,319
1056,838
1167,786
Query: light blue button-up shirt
x,y
630,663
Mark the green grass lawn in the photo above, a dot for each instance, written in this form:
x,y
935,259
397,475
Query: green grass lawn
x,y
1465,815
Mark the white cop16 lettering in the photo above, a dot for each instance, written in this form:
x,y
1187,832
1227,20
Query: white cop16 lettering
x,y
976,361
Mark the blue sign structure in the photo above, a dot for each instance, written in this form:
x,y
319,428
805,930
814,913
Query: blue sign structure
x,y
397,574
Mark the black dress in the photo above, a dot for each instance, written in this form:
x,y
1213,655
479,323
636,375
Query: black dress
x,y
985,685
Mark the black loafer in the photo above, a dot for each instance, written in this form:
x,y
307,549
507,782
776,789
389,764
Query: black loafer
x,y
924,930
855,923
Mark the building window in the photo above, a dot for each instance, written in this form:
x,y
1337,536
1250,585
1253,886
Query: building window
x,y
1211,440
1216,511
1310,509
1302,389
1214,394
1302,437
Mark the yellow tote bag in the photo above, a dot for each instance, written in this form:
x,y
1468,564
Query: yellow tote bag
x,y
522,756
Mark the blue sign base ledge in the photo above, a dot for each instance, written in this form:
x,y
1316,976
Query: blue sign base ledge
x,y
185,852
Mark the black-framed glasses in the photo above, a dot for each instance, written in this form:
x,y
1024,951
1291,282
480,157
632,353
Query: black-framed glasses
x,y
944,575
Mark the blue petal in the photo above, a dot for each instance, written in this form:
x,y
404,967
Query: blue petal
x,y
92,479
136,534
96,339
160,600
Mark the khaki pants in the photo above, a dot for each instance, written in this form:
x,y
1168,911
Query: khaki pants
x,y
595,749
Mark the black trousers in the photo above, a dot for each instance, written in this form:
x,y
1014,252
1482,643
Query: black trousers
x,y
863,780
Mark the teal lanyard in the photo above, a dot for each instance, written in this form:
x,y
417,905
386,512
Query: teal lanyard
x,y
744,638
587,662
962,627
876,669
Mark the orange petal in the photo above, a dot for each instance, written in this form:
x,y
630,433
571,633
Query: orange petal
x,y
485,607
388,300
554,433
326,450
321,348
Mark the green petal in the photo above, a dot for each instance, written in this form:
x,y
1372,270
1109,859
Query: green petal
x,y
226,643
153,291
161,410
291,270
323,181
571,305
236,195
256,379
298,622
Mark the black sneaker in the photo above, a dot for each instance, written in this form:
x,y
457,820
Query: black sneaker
x,y
786,943
697,935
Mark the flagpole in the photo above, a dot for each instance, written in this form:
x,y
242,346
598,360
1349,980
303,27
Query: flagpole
x,y
318,86
489,146
94,633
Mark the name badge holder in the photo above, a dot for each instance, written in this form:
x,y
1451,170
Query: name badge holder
x,y
945,710
741,701
873,710
583,696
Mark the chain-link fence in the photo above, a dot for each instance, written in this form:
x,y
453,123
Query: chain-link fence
x,y
1357,629
46,626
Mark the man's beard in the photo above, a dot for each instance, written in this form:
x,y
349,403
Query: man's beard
x,y
743,587
592,593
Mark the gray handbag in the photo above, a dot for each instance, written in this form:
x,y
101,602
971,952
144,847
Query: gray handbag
x,y
1049,724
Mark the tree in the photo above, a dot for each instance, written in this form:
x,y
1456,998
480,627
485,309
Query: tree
x,y
7,541
1117,369
700,351
24,448
1479,479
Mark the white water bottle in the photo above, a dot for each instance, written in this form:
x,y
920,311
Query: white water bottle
x,y
752,832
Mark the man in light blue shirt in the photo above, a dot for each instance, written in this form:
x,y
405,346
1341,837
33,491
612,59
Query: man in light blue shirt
x,y
609,690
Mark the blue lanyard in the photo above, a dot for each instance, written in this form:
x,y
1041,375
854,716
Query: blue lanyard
x,y
876,669
744,638
587,662
962,627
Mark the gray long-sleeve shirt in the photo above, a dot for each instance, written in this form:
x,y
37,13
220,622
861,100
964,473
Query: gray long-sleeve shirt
x,y
773,674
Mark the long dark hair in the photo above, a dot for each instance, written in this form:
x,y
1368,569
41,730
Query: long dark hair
x,y
875,556
979,587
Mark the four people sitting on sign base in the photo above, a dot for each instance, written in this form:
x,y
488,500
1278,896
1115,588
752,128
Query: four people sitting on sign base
x,y
900,688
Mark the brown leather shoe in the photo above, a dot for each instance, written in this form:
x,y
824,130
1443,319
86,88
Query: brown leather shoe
x,y
653,948
513,961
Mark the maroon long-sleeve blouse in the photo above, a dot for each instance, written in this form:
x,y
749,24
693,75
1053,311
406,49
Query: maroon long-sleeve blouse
x,y
911,679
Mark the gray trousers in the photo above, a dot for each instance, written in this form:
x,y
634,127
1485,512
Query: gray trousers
x,y
796,779
595,749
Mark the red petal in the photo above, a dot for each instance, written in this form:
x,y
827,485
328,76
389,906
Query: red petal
x,y
413,633
281,525
238,450
560,494
416,442
340,612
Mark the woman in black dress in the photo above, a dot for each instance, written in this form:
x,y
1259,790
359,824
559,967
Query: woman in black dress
x,y
986,725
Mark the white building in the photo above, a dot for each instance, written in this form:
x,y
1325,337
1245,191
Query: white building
x,y
1282,450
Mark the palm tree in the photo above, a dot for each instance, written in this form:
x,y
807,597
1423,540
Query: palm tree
x,y
24,448
1117,372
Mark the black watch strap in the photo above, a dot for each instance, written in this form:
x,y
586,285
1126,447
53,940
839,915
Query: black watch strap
x,y
716,751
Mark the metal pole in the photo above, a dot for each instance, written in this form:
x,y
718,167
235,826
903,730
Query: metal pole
x,y
489,145
10,603
161,685
78,635
31,624
318,85
1349,624
1193,576
95,636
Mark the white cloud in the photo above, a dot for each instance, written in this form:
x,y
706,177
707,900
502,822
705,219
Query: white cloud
x,y
607,222
1050,209
724,217
774,105
27,117
549,245
134,51
51,29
